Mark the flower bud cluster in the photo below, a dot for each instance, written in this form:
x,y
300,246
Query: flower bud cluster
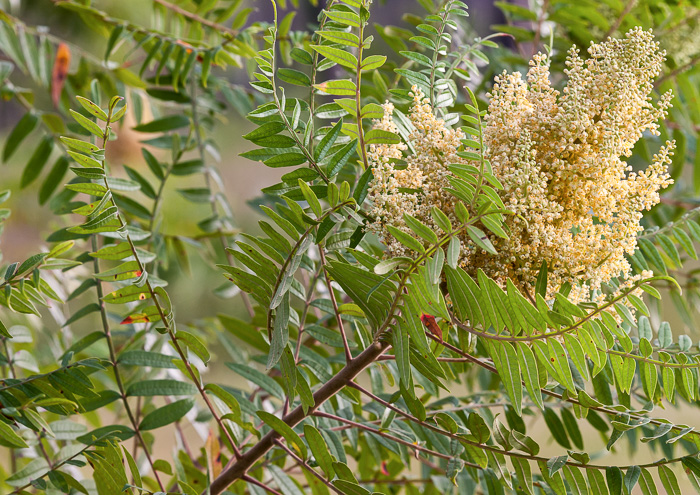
x,y
560,156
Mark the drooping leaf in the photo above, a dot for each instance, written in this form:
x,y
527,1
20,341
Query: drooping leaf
x,y
23,128
292,438
167,414
149,388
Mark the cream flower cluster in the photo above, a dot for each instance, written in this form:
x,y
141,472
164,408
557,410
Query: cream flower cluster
x,y
418,185
559,156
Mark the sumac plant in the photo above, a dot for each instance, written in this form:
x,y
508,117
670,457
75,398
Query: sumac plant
x,y
453,288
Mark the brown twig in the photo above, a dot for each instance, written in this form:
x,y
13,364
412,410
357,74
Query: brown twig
x,y
304,465
381,433
262,485
677,70
238,468
615,25
201,20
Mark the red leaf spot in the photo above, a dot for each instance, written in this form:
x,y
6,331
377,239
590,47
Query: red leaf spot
x,y
429,321
60,72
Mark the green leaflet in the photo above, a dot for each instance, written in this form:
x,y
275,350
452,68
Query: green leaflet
x,y
572,428
88,188
647,484
342,57
379,136
597,482
164,124
650,377
340,37
92,108
288,275
311,198
337,87
227,398
400,343
624,369
284,482
481,239
84,311
285,159
127,294
421,230
347,18
292,438
576,352
373,62
555,481
53,179
109,472
125,271
288,366
81,146
358,283
149,388
466,302
8,437
631,478
24,127
554,464
503,313
613,475
652,254
419,344
556,428
668,479
575,480
527,315
87,124
530,372
37,161
280,332
524,443
319,450
304,390
406,239
133,468
260,379
524,474
340,158
194,345
167,414
146,358
506,362
561,364
328,140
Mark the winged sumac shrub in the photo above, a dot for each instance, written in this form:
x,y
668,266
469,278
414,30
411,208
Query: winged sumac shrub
x,y
453,287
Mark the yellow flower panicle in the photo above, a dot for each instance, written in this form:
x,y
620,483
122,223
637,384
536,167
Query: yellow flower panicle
x,y
559,156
